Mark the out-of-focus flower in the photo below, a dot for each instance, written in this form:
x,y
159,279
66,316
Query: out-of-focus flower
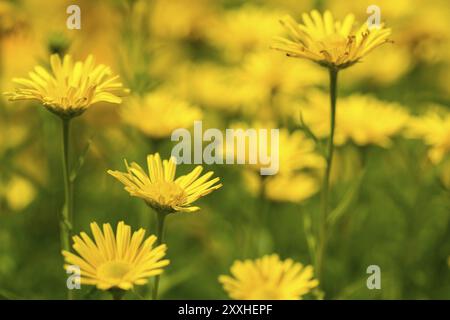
x,y
434,128
295,150
245,29
387,65
18,192
158,114
291,188
116,261
362,119
214,87
71,88
267,74
178,19
330,43
268,278
159,188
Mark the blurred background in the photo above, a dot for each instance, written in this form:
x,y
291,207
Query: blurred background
x,y
187,60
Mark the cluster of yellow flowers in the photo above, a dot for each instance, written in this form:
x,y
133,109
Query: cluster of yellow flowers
x,y
252,81
120,260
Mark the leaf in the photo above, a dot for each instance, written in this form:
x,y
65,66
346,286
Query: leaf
x,y
81,159
310,239
346,201
307,130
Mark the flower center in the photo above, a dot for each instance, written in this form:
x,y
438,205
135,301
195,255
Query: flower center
x,y
113,270
166,194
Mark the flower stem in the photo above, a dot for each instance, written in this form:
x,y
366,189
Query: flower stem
x,y
321,248
66,217
161,218
117,294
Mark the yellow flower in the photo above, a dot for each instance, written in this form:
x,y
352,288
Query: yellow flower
x,y
214,87
116,261
180,19
434,129
291,188
70,88
267,74
245,29
330,43
18,192
362,119
159,188
295,150
158,114
268,278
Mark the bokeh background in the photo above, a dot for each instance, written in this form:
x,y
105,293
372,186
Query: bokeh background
x,y
213,58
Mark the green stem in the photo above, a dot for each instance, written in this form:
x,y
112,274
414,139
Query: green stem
x,y
161,218
66,217
321,248
117,294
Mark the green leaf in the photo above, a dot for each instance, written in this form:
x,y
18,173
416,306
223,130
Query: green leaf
x,y
307,130
346,201
81,159
310,239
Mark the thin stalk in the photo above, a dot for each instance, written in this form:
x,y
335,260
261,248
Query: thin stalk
x,y
161,218
67,214
325,205
117,294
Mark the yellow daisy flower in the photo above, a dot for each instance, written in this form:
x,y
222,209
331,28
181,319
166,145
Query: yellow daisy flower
x,y
71,87
268,278
330,43
158,114
159,188
362,119
294,150
434,129
116,261
291,188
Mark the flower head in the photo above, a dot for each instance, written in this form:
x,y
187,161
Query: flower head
x,y
268,278
434,129
116,261
330,43
159,188
70,88
157,115
362,119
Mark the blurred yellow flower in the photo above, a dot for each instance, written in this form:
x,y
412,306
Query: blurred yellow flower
x,y
214,87
359,118
291,188
178,19
71,88
18,192
434,128
116,261
244,29
295,150
158,114
268,278
159,188
266,73
330,43
387,65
